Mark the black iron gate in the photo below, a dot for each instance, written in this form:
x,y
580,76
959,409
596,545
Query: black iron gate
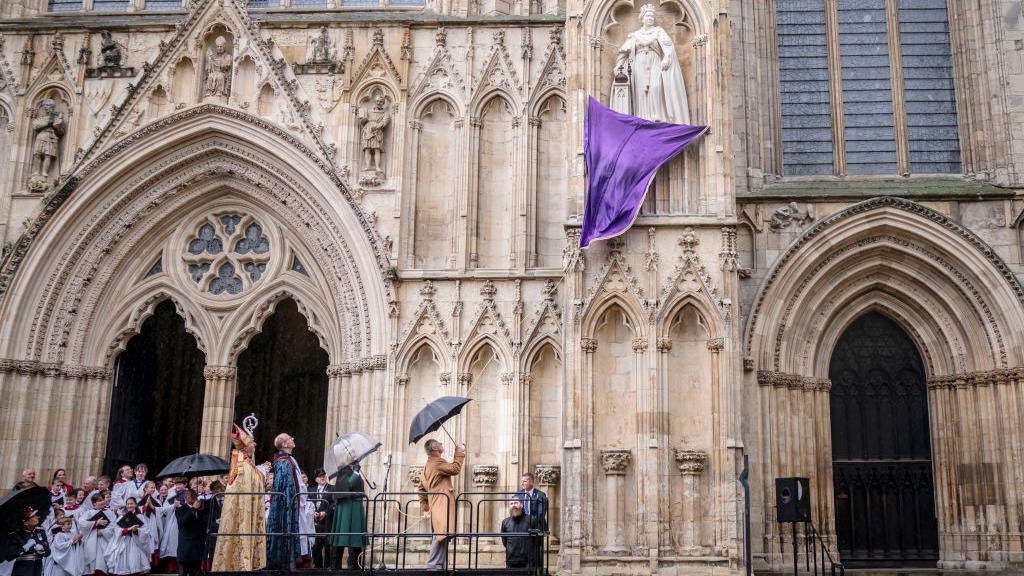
x,y
881,454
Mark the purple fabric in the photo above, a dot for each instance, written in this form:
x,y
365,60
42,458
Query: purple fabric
x,y
622,154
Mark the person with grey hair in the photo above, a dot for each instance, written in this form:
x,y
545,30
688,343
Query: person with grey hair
x,y
437,498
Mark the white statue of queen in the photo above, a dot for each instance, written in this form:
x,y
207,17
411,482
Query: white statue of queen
x,y
647,62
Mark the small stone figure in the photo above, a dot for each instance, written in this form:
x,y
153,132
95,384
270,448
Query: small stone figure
x,y
218,69
48,128
373,120
321,48
110,53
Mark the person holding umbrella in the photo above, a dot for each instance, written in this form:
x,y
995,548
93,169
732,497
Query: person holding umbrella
x,y
349,516
437,498
28,546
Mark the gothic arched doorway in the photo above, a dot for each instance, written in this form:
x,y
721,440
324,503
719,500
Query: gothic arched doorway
x,y
881,450
282,378
158,395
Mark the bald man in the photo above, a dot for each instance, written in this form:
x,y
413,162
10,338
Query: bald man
x,y
285,507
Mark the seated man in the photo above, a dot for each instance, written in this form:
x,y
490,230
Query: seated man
x,y
520,551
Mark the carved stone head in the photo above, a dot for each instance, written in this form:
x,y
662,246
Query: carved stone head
x,y
221,44
647,14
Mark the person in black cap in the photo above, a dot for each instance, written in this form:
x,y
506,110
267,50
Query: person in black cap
x,y
322,518
27,547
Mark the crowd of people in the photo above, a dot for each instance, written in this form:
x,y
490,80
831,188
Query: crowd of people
x,y
255,516
129,526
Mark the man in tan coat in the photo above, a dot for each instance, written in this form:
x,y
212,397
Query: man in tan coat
x,y
437,498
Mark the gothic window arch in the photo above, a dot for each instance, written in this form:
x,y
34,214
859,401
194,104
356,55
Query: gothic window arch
x,y
432,171
866,88
550,169
496,136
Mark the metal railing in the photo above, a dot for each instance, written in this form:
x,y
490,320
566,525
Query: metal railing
x,y
816,557
390,525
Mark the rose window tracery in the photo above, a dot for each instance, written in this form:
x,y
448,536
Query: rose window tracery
x,y
227,254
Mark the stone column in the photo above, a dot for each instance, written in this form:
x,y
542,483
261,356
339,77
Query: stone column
x,y
485,478
691,466
615,462
218,410
547,476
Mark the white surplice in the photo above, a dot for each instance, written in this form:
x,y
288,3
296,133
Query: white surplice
x,y
95,540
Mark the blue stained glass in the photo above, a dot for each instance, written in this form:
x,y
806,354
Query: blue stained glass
x,y
254,241
230,222
206,242
64,5
110,5
163,4
298,267
197,271
157,268
255,270
226,281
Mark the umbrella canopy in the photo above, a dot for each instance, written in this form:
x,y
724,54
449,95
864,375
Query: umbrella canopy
x,y
349,449
195,465
13,506
434,415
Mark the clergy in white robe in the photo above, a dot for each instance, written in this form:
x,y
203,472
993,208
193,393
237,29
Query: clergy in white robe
x,y
307,510
128,552
97,527
66,551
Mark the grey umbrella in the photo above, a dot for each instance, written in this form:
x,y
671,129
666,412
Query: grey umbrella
x,y
195,465
434,415
349,449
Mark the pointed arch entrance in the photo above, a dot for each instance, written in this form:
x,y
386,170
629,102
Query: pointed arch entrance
x,y
881,450
157,395
282,378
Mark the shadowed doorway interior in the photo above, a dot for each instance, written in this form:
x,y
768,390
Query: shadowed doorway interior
x,y
881,450
282,378
157,401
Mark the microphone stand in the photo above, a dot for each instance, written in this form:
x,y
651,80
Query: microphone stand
x,y
387,474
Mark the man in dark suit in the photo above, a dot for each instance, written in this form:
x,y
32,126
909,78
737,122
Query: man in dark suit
x,y
535,502
191,517
535,506
319,495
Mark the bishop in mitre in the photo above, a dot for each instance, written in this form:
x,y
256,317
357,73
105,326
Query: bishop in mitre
x,y
243,509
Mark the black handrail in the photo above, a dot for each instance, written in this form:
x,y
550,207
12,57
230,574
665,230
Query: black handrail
x,y
378,534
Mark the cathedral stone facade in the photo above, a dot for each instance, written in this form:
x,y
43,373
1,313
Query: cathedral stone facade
x,y
330,212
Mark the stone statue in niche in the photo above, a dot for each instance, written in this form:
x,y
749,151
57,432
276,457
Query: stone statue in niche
x,y
110,53
48,128
111,61
373,120
648,79
321,47
218,69
321,60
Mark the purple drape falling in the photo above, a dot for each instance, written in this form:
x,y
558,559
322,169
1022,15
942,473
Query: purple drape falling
x,y
622,154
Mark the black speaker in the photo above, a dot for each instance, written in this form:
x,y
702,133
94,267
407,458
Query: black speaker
x,y
793,499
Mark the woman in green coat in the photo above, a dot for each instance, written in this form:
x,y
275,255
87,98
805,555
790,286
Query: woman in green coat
x,y
349,515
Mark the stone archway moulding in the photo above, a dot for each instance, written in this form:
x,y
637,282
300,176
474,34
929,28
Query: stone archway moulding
x,y
73,255
949,289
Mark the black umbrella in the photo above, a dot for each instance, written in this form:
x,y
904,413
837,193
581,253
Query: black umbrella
x,y
13,506
434,415
195,465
